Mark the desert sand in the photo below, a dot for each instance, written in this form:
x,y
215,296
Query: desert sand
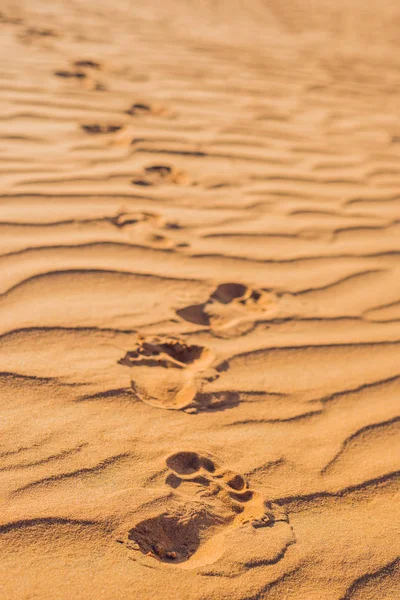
x,y
200,300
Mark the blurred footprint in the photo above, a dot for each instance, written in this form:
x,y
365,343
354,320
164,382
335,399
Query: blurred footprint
x,y
167,372
150,229
101,128
231,310
139,109
158,174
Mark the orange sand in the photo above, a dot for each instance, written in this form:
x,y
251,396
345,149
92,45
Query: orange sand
x,y
200,300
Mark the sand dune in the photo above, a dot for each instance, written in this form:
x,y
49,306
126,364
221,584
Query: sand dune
x,y
199,300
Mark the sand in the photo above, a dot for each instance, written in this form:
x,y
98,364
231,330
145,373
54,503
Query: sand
x,y
200,300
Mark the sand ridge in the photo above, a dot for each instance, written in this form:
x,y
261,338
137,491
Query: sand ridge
x,y
199,300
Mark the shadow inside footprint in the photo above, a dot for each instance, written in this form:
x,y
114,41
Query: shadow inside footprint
x,y
184,463
217,401
231,310
227,292
195,314
172,537
176,354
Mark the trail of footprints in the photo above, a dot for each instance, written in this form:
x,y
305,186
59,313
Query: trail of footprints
x,y
210,504
212,511
183,370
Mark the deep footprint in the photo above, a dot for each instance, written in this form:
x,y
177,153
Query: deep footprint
x,y
181,372
210,506
231,310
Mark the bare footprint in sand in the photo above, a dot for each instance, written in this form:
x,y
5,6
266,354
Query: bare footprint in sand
x,y
151,229
101,128
231,310
143,109
71,74
168,373
31,34
157,174
214,516
125,219
81,70
87,64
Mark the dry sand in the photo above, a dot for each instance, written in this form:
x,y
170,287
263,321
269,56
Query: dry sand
x,y
200,300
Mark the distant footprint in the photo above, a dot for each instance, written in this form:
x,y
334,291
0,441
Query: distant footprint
x,y
168,373
231,310
150,229
31,33
71,74
83,70
101,128
157,174
142,109
87,64
214,513
125,219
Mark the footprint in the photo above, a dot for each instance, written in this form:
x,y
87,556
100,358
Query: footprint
x,y
73,74
213,513
125,219
142,109
82,70
32,33
139,109
168,373
150,229
99,128
157,174
87,64
231,310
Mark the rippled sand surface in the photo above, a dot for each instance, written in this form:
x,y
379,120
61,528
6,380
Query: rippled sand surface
x,y
199,300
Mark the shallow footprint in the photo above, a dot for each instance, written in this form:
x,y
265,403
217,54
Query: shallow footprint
x,y
151,229
168,373
82,70
70,74
124,219
143,109
231,310
101,128
157,174
87,64
211,509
